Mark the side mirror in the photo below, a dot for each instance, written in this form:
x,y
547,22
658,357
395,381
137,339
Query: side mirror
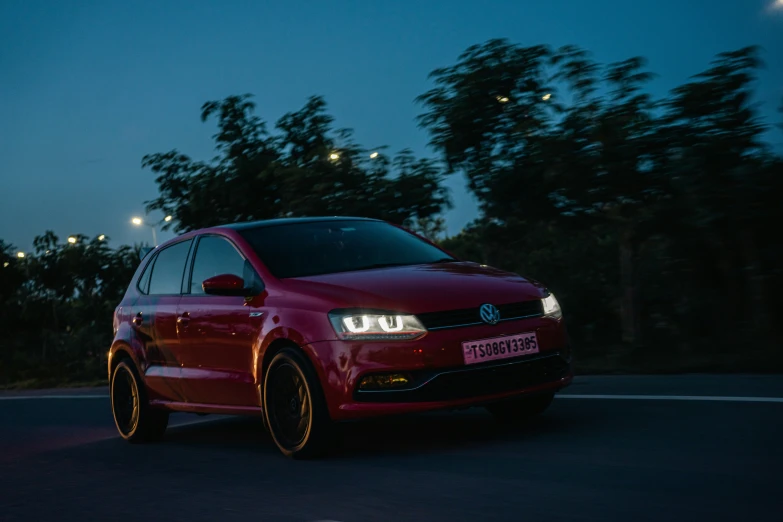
x,y
227,284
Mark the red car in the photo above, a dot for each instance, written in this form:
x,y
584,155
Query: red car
x,y
312,321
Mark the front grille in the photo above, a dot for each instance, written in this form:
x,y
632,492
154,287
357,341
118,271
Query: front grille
x,y
475,382
470,316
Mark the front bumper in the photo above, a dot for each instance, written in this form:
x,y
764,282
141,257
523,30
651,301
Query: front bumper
x,y
439,378
466,382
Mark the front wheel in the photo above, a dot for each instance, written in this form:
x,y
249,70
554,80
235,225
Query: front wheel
x,y
515,411
135,419
294,406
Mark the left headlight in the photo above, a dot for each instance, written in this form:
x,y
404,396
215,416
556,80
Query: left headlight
x,y
359,326
552,307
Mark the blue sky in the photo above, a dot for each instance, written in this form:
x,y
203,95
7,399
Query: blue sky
x,y
87,87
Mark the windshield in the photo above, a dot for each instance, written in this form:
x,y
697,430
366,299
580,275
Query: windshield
x,y
325,247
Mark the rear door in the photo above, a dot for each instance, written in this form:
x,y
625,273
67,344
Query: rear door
x,y
218,332
155,314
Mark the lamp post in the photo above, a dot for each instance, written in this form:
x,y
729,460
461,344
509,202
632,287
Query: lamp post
x,y
137,221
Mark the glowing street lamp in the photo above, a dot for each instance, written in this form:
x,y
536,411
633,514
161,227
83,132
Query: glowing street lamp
x,y
546,97
373,155
72,240
334,156
101,237
20,255
139,222
167,218
503,99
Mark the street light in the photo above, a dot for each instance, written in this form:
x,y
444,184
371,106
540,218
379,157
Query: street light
x,y
20,255
167,218
101,237
139,222
503,99
72,240
546,97
334,156
373,155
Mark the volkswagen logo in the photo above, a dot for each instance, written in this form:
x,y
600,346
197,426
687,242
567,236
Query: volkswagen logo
x,y
489,313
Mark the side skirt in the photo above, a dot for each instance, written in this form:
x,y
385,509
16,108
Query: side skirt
x,y
221,409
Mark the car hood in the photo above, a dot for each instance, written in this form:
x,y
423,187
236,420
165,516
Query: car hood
x,y
420,288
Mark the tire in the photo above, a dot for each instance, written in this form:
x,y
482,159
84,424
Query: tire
x,y
135,419
517,411
294,407
261,402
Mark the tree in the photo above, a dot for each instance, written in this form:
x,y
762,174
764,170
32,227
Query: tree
x,y
306,168
431,228
529,154
57,305
722,172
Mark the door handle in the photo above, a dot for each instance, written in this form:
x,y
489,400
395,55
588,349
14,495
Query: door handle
x,y
138,319
183,319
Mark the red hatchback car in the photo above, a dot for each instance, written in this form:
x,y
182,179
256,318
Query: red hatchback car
x,y
312,321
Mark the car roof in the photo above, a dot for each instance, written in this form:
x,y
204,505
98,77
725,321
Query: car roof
x,y
286,221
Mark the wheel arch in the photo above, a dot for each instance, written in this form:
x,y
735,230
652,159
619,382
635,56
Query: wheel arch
x,y
277,339
121,352
276,347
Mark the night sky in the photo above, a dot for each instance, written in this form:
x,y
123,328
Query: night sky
x,y
88,87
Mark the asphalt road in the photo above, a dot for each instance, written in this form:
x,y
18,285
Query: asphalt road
x,y
611,448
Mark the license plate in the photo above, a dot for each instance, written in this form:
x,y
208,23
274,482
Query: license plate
x,y
499,347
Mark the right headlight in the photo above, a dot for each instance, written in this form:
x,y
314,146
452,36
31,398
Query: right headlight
x,y
361,326
551,307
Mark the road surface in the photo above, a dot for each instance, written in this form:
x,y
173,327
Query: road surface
x,y
609,449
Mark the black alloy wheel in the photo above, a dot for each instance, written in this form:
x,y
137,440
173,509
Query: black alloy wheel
x,y
135,419
294,406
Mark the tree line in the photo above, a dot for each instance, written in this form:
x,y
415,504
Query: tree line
x,y
653,220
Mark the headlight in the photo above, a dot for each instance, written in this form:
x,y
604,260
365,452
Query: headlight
x,y
552,307
360,326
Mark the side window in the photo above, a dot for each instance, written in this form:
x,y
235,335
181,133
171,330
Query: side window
x,y
144,281
215,256
166,278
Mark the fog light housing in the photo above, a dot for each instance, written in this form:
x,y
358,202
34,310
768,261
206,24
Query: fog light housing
x,y
384,381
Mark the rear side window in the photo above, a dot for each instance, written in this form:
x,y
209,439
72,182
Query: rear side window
x,y
215,256
144,280
169,267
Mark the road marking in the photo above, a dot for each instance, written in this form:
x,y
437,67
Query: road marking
x,y
673,398
32,397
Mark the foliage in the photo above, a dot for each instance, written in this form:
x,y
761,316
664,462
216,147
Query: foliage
x,y
305,169
684,188
57,306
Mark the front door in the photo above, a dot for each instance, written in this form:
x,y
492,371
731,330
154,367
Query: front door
x,y
218,332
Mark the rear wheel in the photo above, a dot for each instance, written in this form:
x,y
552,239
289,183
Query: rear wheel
x,y
515,411
295,408
135,419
